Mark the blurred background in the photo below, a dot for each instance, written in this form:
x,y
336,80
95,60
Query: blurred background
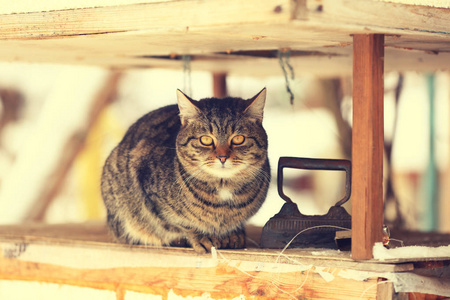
x,y
59,123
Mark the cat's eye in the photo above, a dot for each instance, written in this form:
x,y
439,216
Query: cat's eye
x,y
238,139
206,140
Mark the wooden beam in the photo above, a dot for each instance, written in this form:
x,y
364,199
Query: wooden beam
x,y
146,35
367,143
220,85
191,276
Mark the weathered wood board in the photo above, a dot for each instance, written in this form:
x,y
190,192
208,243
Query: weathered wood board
x,y
222,36
82,255
119,268
367,153
94,234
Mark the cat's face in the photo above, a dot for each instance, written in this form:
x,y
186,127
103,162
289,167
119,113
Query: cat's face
x,y
222,138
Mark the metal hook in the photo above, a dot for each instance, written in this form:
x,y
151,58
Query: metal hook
x,y
187,74
283,58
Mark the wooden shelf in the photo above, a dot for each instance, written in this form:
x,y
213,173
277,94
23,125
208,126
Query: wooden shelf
x,y
242,38
83,255
95,235
229,36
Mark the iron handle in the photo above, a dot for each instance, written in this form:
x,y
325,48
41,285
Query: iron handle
x,y
315,164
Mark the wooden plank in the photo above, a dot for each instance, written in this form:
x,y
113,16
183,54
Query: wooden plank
x,y
57,233
87,52
435,3
382,16
367,144
225,273
156,271
94,235
183,16
180,16
385,290
223,280
25,6
136,35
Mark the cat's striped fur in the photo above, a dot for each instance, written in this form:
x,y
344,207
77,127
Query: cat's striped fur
x,y
196,171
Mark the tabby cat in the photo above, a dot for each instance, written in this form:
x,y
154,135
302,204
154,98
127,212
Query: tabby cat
x,y
191,172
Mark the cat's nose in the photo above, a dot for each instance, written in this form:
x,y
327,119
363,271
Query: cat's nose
x,y
222,158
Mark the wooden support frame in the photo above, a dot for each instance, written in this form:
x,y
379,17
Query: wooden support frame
x,y
367,145
220,85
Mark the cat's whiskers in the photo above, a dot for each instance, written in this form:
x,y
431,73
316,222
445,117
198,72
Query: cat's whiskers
x,y
256,172
171,148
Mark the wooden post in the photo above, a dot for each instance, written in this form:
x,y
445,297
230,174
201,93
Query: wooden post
x,y
367,144
220,85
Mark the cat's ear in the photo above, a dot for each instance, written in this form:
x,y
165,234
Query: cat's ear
x,y
255,110
188,110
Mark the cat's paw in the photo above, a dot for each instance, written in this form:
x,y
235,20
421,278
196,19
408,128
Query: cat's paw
x,y
235,240
180,242
203,244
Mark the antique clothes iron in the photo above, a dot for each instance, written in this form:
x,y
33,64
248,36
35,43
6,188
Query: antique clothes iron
x,y
284,226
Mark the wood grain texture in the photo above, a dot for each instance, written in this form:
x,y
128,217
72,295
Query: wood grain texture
x,y
26,6
146,35
157,271
223,281
367,145
80,255
220,85
179,16
94,236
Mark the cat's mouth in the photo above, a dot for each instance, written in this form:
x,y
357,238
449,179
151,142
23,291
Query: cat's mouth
x,y
223,170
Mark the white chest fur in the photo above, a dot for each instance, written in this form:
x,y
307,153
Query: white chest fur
x,y
225,194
